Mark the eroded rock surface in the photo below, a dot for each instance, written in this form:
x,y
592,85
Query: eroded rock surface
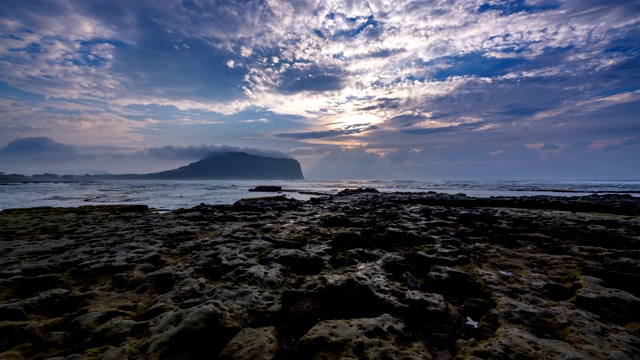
x,y
382,337
358,275
252,344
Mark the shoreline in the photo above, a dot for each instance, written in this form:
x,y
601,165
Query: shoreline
x,y
172,195
357,274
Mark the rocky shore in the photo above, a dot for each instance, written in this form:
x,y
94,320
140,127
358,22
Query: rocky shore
x,y
359,275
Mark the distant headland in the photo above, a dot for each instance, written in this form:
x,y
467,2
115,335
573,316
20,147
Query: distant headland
x,y
216,166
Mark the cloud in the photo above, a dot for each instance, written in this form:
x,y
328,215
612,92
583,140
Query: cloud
x,y
445,129
496,75
310,79
43,154
201,151
407,119
517,6
36,155
56,50
345,130
515,162
38,147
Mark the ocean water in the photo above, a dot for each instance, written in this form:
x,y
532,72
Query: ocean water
x,y
171,195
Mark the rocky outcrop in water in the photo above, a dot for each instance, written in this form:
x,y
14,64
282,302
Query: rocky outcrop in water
x,y
359,275
232,165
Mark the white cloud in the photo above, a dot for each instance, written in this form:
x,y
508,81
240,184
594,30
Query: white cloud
x,y
261,120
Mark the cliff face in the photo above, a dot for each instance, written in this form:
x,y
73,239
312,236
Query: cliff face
x,y
236,166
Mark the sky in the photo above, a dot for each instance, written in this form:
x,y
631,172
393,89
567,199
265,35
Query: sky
x,y
384,89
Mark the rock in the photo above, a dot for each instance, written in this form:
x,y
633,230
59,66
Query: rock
x,y
347,192
116,331
55,302
612,304
25,286
512,342
411,280
189,333
305,308
382,337
456,276
247,305
266,188
87,323
252,344
338,220
301,262
267,204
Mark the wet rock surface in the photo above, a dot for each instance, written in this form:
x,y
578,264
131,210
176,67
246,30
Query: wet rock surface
x,y
358,275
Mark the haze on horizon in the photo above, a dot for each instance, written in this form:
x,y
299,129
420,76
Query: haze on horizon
x,y
435,89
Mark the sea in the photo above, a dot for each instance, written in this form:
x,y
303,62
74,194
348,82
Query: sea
x,y
172,195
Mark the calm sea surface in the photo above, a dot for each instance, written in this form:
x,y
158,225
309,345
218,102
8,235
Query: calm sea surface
x,y
171,195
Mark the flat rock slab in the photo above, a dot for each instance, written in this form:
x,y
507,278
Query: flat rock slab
x,y
357,275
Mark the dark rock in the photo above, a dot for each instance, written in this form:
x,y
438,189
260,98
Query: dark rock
x,y
346,192
297,260
25,286
267,204
189,334
613,305
266,188
456,276
252,344
164,280
411,280
339,220
383,337
305,307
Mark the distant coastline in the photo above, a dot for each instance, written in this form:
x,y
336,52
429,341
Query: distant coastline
x,y
216,166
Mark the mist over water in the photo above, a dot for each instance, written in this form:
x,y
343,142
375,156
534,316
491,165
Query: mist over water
x,y
171,195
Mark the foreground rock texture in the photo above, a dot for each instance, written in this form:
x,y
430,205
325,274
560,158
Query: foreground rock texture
x,y
357,275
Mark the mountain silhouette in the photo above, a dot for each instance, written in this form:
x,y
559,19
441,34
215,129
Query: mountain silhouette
x,y
232,166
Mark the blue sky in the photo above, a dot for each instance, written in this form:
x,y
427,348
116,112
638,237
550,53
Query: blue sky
x,y
438,89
